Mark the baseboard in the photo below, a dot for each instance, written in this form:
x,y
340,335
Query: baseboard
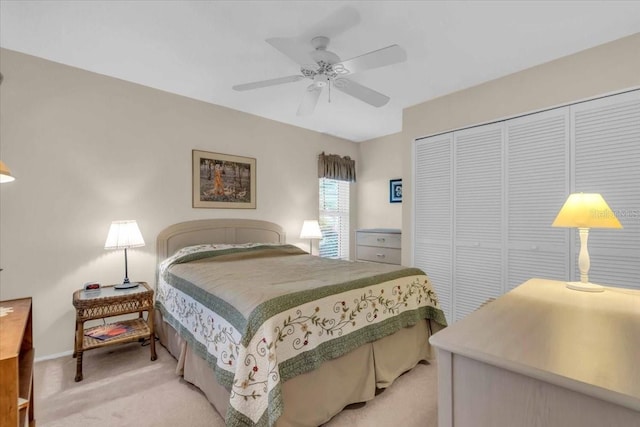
x,y
54,356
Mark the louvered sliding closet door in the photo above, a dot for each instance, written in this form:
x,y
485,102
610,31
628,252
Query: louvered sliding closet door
x,y
485,199
537,186
478,192
607,161
433,204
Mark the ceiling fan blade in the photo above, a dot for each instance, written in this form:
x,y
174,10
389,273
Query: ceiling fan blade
x,y
295,50
375,59
265,83
333,25
309,100
360,92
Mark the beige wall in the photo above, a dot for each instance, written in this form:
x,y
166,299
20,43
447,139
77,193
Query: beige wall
x,y
88,149
604,69
380,161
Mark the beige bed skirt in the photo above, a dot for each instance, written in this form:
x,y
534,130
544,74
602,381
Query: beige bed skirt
x,y
311,399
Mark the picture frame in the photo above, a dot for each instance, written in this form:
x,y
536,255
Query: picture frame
x,y
395,191
223,181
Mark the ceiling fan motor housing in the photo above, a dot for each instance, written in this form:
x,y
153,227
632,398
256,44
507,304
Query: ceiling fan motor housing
x,y
322,72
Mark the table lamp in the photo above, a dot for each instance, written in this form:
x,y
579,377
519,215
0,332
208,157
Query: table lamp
x,y
5,173
124,235
584,211
310,230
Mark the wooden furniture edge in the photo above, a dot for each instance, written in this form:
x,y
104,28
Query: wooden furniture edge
x,y
17,365
443,344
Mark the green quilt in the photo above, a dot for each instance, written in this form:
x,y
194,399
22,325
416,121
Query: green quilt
x,y
262,314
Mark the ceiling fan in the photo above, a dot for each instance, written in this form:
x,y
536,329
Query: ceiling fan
x,y
326,69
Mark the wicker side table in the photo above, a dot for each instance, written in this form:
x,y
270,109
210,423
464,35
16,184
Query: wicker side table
x,y
108,302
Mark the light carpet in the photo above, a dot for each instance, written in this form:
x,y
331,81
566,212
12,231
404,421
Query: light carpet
x,y
122,387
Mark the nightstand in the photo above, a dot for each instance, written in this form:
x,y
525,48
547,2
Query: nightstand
x,y
108,302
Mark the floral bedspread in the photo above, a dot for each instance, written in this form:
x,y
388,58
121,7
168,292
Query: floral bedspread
x,y
258,326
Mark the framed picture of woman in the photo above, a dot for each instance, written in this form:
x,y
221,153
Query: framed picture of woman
x,y
223,181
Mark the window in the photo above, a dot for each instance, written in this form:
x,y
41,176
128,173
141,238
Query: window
x,y
334,218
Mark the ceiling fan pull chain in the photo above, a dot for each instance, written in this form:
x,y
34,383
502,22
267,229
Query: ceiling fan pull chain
x,y
329,92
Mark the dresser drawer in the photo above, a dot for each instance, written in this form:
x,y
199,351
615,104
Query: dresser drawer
x,y
384,240
378,254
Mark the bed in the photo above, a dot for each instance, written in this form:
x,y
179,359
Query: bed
x,y
276,337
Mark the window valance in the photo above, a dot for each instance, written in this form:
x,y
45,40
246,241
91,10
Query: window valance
x,y
333,166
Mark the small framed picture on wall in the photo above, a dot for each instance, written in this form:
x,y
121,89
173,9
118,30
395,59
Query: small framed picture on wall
x,y
395,191
223,181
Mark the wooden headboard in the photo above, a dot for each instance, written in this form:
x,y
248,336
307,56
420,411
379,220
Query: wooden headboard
x,y
201,231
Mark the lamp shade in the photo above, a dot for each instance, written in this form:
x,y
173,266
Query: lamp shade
x,y
5,173
310,230
123,235
586,210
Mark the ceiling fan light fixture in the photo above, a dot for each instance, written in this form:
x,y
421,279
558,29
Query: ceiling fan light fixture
x,y
321,80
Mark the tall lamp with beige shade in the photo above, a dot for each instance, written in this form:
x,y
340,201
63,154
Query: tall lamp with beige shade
x,y
5,173
584,211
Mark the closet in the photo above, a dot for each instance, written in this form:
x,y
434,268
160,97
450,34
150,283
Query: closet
x,y
485,198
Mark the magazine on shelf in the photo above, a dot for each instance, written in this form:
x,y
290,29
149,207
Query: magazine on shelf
x,y
107,332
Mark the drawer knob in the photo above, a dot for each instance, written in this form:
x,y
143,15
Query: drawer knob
x,y
380,255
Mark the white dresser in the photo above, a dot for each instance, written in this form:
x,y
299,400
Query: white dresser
x,y
543,355
379,245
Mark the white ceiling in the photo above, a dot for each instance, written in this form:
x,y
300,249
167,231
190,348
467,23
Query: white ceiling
x,y
200,49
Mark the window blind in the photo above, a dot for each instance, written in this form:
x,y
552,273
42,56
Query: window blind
x,y
334,218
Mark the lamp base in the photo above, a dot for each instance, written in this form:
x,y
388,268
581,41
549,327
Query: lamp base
x,y
585,287
126,285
